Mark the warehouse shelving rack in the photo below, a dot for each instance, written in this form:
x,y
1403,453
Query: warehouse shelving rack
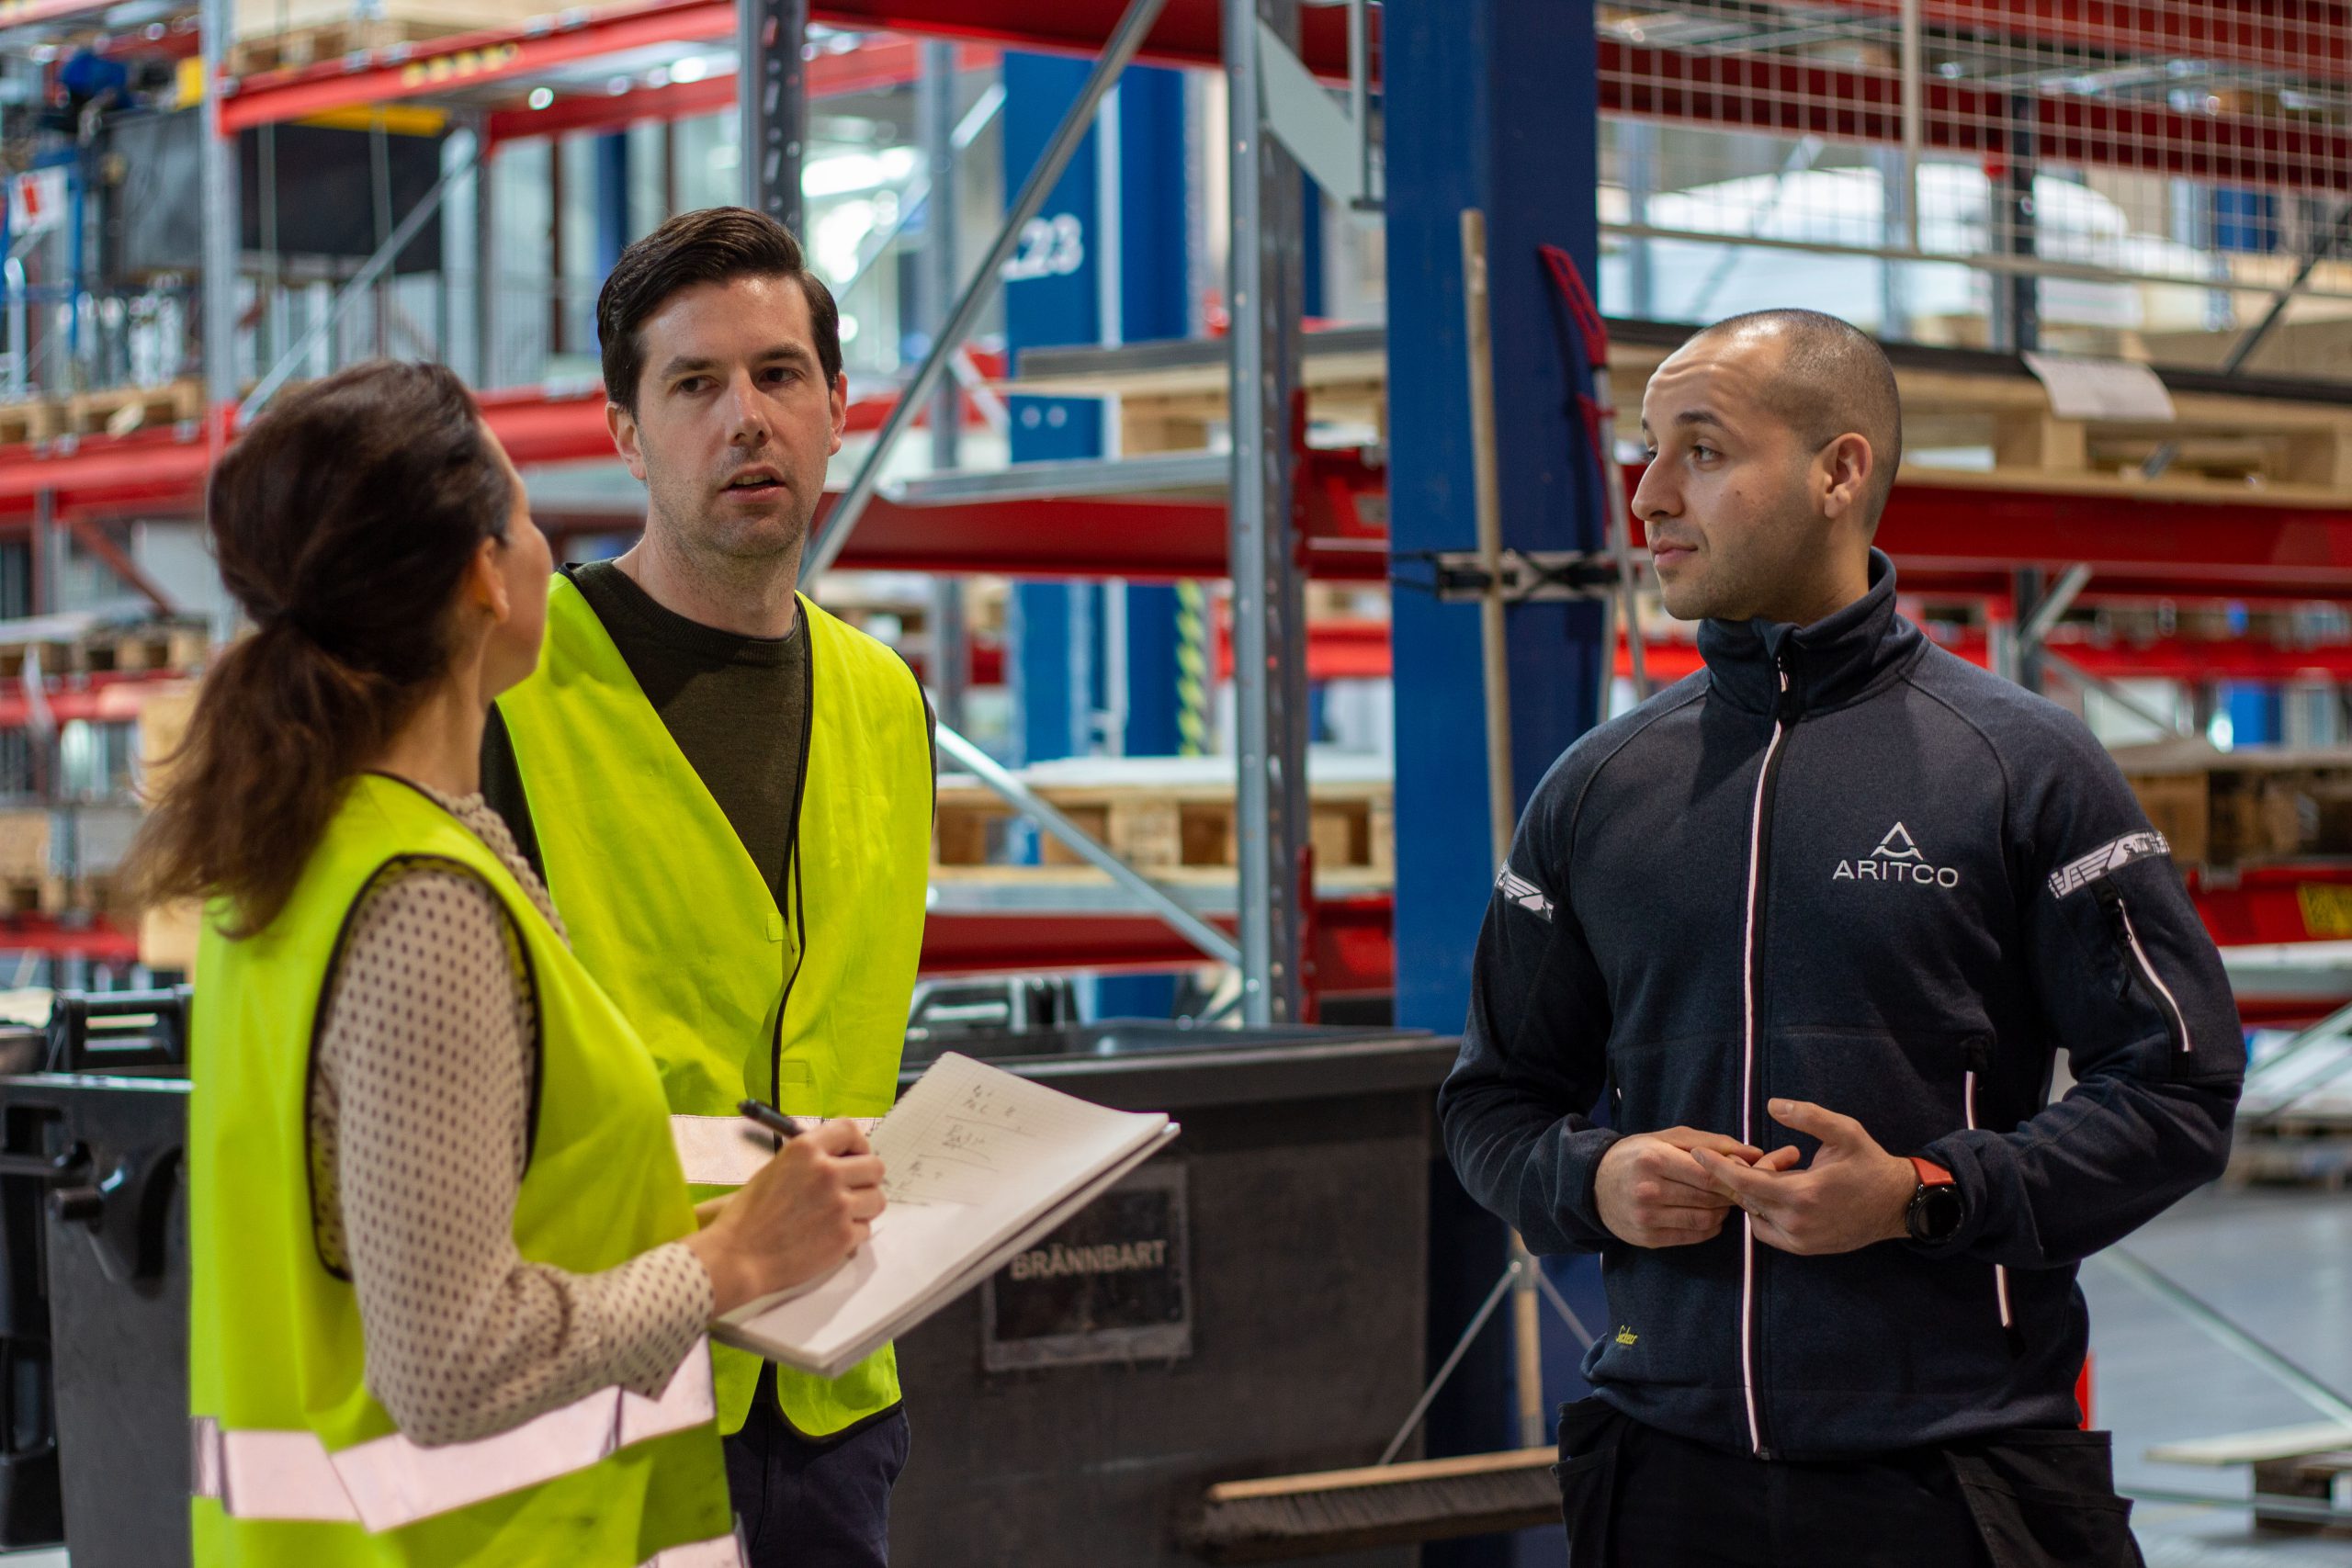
x,y
1158,517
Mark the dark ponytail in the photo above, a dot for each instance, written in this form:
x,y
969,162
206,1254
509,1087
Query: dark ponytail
x,y
343,521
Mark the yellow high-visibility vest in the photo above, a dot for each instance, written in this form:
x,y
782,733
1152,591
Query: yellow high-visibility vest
x,y
297,1465
803,1003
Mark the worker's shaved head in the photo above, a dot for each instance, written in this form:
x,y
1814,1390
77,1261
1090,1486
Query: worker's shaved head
x,y
1829,378
1773,439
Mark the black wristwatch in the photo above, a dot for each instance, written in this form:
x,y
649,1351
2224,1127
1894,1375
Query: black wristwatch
x,y
1936,1207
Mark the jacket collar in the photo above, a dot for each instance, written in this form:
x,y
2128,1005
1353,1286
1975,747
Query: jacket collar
x,y
1834,661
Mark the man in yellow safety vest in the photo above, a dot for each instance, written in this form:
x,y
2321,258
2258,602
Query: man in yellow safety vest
x,y
730,794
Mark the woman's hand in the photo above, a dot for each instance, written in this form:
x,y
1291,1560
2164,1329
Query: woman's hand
x,y
807,1210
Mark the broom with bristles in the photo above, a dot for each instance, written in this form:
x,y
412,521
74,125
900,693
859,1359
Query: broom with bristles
x,y
1395,1504
1388,1505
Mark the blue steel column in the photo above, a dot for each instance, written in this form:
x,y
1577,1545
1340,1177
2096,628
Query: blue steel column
x,y
612,201
1153,269
1056,659
1490,104
1051,297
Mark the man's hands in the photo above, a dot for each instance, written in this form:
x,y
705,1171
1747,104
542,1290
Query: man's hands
x,y
1854,1194
1677,1186
1652,1191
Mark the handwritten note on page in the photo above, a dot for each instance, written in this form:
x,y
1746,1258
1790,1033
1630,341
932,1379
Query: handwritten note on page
x,y
977,1162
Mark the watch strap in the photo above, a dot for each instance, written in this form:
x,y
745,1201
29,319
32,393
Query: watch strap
x,y
1930,1173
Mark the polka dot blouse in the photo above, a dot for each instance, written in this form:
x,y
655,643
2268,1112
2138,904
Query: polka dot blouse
x,y
420,1110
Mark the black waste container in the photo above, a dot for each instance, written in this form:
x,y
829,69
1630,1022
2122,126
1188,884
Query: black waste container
x,y
94,1148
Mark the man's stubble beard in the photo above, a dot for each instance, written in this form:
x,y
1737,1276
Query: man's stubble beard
x,y
709,536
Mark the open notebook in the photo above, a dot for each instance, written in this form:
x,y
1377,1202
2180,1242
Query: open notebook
x,y
978,1166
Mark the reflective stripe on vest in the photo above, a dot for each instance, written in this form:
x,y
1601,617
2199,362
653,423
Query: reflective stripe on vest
x,y
718,1151
723,1552
394,1481
727,1151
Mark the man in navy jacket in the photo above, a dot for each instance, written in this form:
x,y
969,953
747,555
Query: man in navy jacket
x,y
1815,922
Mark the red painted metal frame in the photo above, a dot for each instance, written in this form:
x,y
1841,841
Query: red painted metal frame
x,y
1359,650
1349,943
469,60
1955,538
2168,658
875,64
100,941
583,111
1786,96
2306,40
1186,34
111,697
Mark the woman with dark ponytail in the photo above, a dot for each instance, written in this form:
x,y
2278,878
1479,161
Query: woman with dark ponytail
x,y
449,1293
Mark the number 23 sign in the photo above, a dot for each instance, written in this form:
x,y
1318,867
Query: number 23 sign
x,y
1051,247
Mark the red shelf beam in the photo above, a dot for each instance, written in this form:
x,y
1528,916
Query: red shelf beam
x,y
102,698
1186,34
1786,96
1782,94
100,941
2309,39
1948,537
875,64
468,60
1349,943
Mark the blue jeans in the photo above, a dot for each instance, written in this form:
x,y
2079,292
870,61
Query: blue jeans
x,y
806,1503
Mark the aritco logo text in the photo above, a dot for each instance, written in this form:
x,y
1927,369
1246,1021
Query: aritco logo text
x,y
1896,859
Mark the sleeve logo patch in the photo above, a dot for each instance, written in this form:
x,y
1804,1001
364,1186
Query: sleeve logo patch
x,y
2108,859
1523,893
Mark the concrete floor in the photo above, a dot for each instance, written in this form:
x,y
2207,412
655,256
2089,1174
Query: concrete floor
x,y
2278,1262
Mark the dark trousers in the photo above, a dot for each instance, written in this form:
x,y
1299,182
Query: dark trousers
x,y
1636,1497
814,1503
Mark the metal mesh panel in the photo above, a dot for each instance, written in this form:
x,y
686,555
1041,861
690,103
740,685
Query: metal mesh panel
x,y
2114,178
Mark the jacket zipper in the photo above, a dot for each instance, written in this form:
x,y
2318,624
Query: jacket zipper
x,y
1978,1057
1759,840
2175,1024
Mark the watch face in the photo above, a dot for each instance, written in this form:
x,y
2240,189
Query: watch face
x,y
1934,1213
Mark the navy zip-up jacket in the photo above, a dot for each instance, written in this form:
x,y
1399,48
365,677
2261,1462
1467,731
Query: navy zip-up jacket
x,y
1941,881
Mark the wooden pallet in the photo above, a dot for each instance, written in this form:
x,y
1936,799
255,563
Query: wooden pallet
x,y
293,48
2301,1462
24,845
2243,808
39,419
2248,448
2291,1156
124,650
36,895
119,410
1174,819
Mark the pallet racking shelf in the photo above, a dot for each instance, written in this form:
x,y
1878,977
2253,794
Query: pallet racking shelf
x,y
1952,535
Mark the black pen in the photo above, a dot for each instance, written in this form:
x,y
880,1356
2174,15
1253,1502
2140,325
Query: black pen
x,y
783,1126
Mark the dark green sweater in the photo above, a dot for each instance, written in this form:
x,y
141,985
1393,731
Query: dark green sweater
x,y
738,707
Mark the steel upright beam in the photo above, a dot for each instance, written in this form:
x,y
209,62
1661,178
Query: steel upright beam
x,y
222,222
1490,104
773,110
937,274
2016,312
1269,589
